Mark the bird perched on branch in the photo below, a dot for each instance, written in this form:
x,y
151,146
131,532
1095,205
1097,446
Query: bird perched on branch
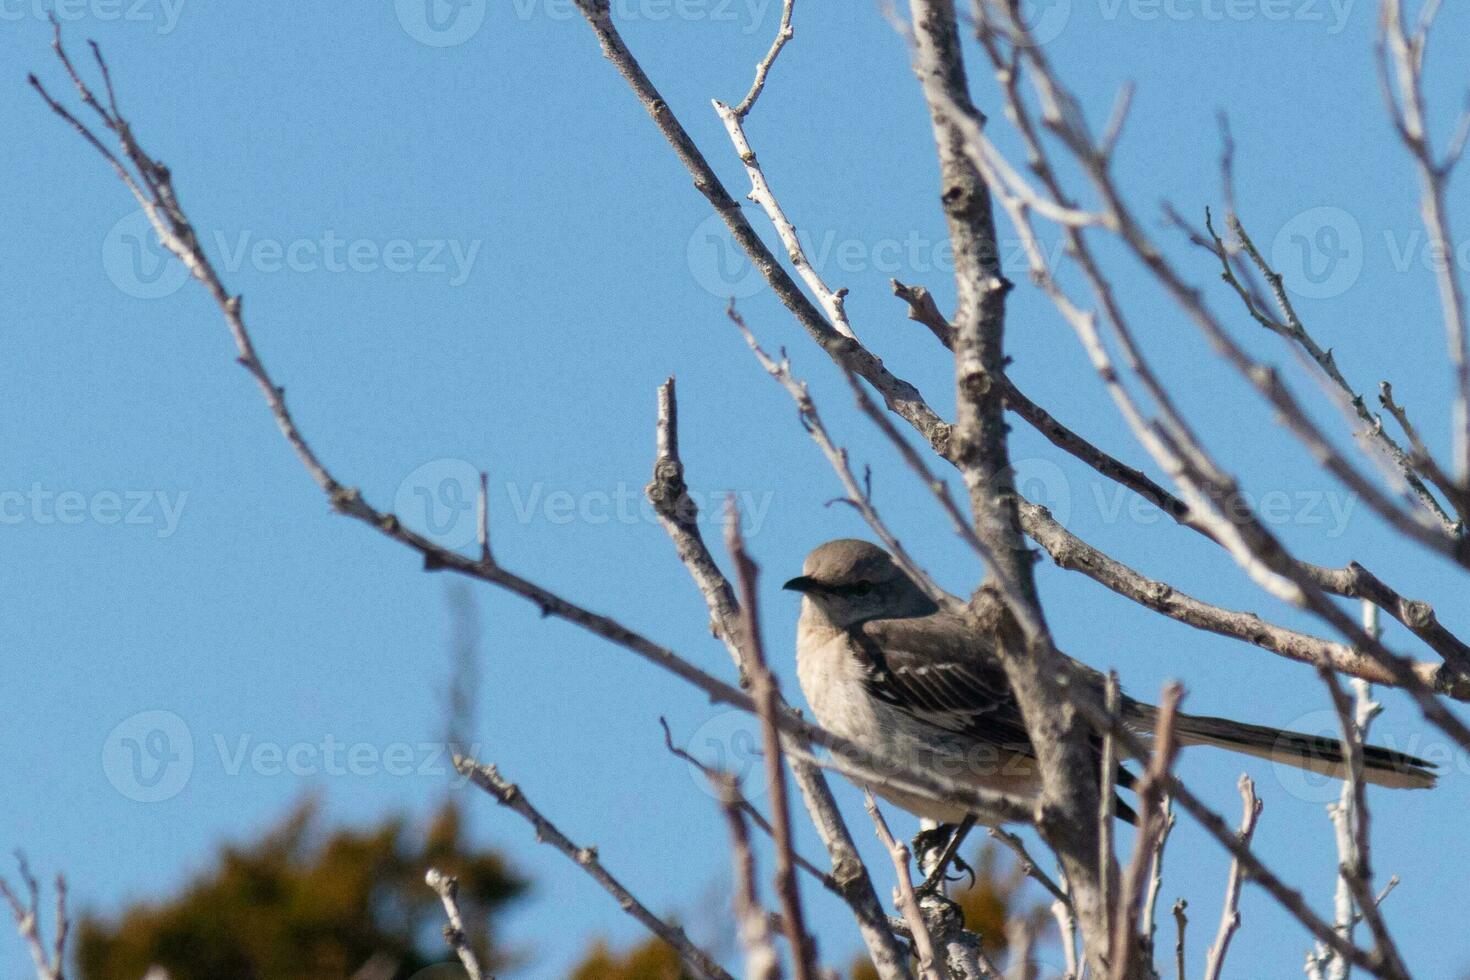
x,y
883,666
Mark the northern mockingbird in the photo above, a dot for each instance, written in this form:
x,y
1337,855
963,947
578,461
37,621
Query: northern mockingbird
x,y
881,665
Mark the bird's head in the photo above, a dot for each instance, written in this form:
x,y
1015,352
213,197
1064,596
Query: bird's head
x,y
850,582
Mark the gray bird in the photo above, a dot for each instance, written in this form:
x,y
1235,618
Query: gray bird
x,y
881,665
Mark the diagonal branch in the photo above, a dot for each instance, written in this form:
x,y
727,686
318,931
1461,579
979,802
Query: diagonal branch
x,y
1033,667
1401,74
454,934
509,795
762,961
50,961
758,84
1230,916
768,704
678,514
178,235
897,394
1070,552
930,966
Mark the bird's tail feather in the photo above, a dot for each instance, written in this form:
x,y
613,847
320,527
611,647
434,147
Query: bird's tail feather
x,y
1314,753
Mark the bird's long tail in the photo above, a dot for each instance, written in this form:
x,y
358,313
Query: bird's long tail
x,y
1314,753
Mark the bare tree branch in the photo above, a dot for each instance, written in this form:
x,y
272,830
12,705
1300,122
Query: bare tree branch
x,y
783,34
1169,439
1353,582
1401,73
898,394
1153,826
1060,738
1290,327
678,514
1239,849
762,962
50,961
1181,923
751,811
1148,929
768,705
448,888
509,795
1351,821
930,966
1230,916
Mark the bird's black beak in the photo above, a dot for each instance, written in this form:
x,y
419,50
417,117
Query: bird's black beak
x,y
803,584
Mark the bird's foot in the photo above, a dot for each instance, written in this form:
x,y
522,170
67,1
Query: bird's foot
x,y
946,839
938,876
932,839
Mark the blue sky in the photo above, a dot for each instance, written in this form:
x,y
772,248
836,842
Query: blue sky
x,y
480,254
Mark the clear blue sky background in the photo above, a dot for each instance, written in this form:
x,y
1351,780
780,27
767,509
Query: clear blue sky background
x,y
258,616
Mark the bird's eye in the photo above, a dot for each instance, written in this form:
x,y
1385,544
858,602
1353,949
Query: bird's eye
x,y
862,588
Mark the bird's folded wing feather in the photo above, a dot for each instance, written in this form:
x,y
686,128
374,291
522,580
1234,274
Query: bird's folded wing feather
x,y
936,669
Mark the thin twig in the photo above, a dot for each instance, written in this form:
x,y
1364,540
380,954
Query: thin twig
x,y
1027,863
50,961
1401,75
768,705
930,966
678,515
1352,820
1148,929
1291,328
454,933
1107,811
1230,916
1181,923
783,34
762,961
483,519
1153,824
1070,552
751,811
509,795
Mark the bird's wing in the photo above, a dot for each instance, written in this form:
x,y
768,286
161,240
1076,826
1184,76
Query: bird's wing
x,y
938,670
